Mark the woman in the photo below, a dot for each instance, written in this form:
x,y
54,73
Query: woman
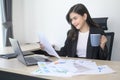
x,y
78,43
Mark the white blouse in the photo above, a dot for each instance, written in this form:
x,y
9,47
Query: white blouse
x,y
82,44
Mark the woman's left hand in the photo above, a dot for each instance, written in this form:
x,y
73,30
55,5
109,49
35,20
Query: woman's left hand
x,y
103,41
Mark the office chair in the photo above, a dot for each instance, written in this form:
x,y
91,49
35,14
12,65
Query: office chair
x,y
102,21
109,44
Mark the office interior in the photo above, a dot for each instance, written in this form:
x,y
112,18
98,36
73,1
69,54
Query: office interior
x,y
29,17
48,16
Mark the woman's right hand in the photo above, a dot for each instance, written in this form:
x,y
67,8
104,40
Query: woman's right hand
x,y
42,46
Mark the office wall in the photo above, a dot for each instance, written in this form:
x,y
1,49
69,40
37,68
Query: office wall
x,y
18,20
48,17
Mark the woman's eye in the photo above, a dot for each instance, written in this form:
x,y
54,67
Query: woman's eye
x,y
75,18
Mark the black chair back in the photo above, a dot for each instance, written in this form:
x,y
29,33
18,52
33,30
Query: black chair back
x,y
110,38
102,21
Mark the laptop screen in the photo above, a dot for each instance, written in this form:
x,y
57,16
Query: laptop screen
x,y
17,50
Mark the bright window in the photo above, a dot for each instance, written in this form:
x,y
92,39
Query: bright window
x,y
1,29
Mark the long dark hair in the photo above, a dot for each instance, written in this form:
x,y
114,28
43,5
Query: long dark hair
x,y
79,9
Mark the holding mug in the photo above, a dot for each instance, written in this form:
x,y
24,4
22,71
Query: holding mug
x,y
95,39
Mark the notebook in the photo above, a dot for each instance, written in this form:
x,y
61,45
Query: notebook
x,y
27,60
14,55
8,56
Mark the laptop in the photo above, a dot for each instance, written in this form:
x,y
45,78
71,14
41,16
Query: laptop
x,y
27,60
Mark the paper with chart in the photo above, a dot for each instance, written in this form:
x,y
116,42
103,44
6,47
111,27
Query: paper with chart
x,y
68,68
60,68
48,47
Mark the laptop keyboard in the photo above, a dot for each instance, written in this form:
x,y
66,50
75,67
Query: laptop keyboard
x,y
31,60
35,59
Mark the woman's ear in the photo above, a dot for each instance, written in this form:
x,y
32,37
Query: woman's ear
x,y
85,16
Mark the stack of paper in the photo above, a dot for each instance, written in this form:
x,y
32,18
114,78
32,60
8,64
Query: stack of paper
x,y
67,68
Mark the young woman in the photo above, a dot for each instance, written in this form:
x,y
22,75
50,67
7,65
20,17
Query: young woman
x,y
78,42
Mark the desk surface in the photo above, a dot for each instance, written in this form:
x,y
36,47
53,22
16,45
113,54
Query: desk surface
x,y
14,66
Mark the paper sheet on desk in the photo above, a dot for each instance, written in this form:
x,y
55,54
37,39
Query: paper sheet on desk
x,y
48,47
68,68
103,69
59,68
94,69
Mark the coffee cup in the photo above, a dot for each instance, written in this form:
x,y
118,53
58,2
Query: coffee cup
x,y
95,39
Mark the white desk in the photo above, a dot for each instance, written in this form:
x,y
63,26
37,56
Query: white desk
x,y
14,66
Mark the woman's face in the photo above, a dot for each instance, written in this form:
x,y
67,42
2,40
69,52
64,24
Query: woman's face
x,y
77,20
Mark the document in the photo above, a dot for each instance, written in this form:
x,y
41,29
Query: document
x,y
102,69
94,69
69,68
48,47
59,68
